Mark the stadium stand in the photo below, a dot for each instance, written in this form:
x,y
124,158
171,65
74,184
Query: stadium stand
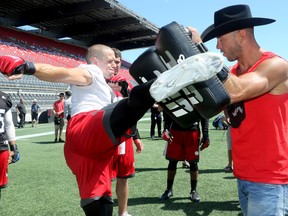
x,y
60,33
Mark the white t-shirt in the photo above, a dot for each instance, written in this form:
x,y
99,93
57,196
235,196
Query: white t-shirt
x,y
67,107
92,97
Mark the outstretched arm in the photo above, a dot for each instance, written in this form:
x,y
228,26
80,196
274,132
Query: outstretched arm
x,y
14,67
77,76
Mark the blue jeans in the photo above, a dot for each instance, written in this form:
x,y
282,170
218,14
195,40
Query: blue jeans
x,y
258,199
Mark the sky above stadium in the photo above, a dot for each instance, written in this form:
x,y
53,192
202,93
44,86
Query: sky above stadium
x,y
200,14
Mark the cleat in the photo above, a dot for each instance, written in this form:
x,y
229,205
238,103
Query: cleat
x,y
194,197
166,195
194,69
228,169
125,214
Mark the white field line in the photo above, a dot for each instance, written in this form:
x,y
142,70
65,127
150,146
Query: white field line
x,y
52,132
34,135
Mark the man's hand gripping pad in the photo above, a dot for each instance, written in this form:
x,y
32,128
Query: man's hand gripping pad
x,y
208,97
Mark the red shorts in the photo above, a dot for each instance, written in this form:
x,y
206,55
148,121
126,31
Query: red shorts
x,y
184,146
123,164
89,151
4,156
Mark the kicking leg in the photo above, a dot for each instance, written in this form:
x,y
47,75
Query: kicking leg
x,y
128,111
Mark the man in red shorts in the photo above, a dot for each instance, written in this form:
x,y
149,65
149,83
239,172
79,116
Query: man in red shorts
x,y
58,110
124,165
123,169
184,144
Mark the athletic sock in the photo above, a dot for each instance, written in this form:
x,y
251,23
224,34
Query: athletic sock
x,y
193,185
170,184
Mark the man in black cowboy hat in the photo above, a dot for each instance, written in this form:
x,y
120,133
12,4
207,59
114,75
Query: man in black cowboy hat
x,y
258,87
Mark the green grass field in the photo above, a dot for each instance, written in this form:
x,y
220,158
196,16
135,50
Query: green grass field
x,y
41,184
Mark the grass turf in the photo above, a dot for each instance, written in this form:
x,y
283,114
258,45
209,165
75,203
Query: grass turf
x,y
41,184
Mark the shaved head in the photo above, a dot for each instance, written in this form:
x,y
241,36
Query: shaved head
x,y
99,51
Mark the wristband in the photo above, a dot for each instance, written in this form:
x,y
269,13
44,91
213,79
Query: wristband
x,y
201,47
223,74
16,155
136,135
13,147
29,68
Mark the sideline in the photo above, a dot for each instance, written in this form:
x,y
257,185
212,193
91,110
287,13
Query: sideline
x,y
52,132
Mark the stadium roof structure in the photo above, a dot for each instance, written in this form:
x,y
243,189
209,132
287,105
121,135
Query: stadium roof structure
x,y
80,22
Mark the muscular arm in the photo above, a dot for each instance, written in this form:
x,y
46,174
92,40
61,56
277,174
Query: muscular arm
x,y
271,76
49,73
76,76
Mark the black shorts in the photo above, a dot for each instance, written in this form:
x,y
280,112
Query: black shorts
x,y
34,116
59,121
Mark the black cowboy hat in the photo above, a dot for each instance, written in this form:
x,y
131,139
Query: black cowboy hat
x,y
230,19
